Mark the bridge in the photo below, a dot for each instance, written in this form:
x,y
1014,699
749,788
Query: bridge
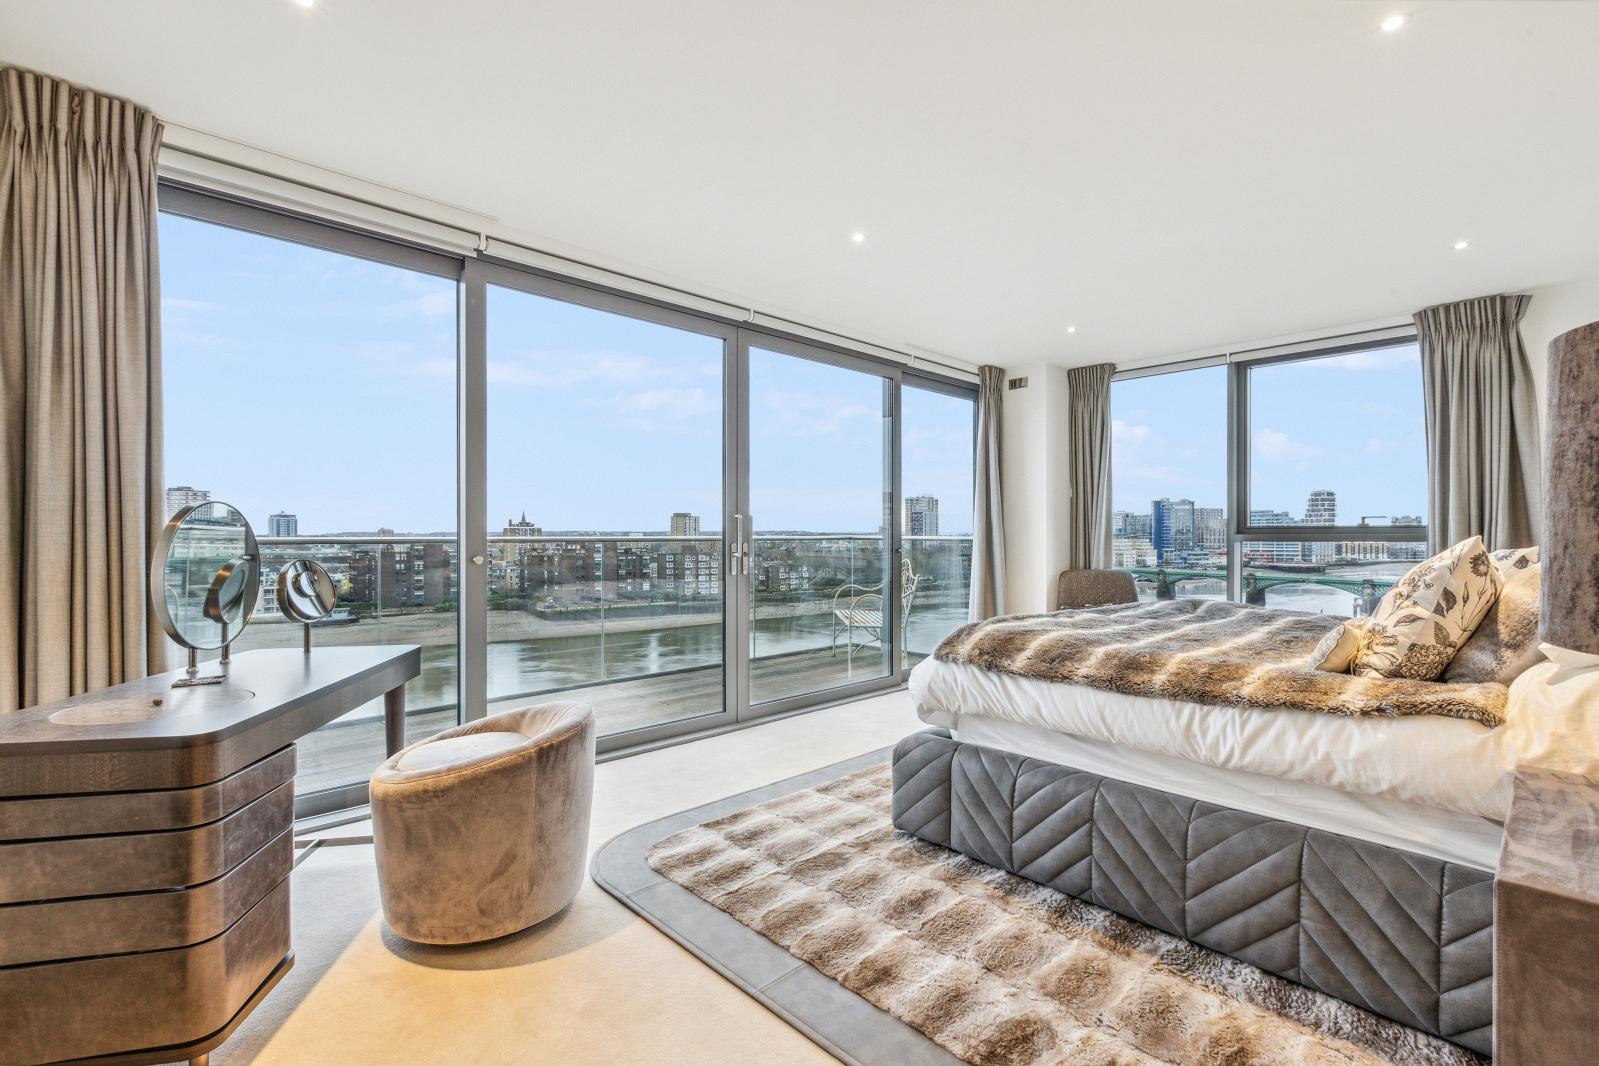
x,y
1165,579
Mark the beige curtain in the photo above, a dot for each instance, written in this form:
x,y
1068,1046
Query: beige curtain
x,y
988,515
1088,397
80,389
1482,424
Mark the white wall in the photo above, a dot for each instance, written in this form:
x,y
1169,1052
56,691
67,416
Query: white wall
x,y
1036,450
1553,311
1036,486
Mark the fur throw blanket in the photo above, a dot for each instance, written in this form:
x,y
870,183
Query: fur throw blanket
x,y
1205,651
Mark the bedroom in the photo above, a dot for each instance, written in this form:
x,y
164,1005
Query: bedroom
x,y
726,533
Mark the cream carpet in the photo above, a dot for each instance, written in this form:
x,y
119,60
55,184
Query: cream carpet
x,y
995,969
595,984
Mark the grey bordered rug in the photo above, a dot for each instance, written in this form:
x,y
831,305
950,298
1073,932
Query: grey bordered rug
x,y
886,949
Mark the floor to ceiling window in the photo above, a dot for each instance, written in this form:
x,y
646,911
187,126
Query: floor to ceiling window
x,y
605,498
554,490
314,389
821,601
938,428
1324,504
1169,482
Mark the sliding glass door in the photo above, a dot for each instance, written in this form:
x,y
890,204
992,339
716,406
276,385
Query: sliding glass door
x,y
605,501
822,596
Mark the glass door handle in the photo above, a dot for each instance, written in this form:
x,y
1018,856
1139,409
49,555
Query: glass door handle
x,y
735,547
748,526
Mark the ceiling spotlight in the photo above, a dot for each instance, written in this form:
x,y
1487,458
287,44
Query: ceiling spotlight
x,y
1461,246
306,3
858,237
1392,23
1071,329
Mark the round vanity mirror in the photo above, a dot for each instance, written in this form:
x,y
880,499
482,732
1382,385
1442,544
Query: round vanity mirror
x,y
305,592
206,575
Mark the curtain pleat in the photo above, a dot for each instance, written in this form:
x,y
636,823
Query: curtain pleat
x,y
80,389
1482,424
988,511
1088,397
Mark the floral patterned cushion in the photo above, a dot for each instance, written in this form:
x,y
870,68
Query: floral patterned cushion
x,y
1425,618
1506,643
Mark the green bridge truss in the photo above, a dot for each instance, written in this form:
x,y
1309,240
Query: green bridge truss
x,y
1165,579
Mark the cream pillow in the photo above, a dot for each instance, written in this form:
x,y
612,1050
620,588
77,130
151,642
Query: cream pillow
x,y
1336,651
1506,642
1425,618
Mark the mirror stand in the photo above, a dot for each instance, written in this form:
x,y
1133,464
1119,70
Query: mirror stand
x,y
307,628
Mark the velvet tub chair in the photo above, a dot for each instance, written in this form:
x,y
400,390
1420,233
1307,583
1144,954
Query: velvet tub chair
x,y
482,830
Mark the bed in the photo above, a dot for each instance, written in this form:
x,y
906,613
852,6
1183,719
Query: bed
x,y
1352,852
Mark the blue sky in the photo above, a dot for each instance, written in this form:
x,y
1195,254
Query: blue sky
x,y
1350,423
302,380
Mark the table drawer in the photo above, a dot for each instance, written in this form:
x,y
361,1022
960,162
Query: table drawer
x,y
71,1010
138,862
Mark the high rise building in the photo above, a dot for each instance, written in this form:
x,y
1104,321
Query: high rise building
x,y
1321,510
181,496
1131,525
1172,532
921,516
685,524
283,524
1210,529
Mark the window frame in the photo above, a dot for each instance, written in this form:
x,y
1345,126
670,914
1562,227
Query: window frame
x,y
1240,433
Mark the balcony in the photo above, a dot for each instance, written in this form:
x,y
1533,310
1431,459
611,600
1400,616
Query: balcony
x,y
629,624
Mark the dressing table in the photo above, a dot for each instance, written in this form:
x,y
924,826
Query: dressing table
x,y
145,849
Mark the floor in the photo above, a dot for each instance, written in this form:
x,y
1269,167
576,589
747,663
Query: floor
x,y
595,984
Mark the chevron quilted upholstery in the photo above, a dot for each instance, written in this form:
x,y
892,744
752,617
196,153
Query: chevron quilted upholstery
x,y
1402,935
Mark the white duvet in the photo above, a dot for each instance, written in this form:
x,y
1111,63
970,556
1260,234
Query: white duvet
x,y
1432,761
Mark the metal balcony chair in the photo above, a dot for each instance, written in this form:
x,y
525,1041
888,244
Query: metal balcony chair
x,y
1094,588
859,608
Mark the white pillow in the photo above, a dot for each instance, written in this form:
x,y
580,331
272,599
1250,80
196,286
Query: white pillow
x,y
1426,617
1552,719
1337,649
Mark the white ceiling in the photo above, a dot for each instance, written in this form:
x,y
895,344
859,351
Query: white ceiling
x,y
1166,176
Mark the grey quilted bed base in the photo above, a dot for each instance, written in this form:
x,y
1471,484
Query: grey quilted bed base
x,y
1406,936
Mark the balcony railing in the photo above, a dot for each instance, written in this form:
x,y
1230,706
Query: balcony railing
x,y
632,623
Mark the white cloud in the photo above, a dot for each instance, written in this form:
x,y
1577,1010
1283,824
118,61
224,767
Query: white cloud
x,y
554,370
1124,433
673,403
1278,446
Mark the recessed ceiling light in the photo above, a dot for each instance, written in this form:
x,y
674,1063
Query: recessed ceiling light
x,y
858,237
1461,246
1392,23
306,3
1071,329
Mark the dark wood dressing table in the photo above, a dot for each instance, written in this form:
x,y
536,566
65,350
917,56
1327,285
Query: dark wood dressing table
x,y
145,849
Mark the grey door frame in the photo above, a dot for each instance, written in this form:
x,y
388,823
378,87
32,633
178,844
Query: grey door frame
x,y
483,274
891,376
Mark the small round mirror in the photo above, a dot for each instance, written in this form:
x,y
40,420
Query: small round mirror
x,y
206,575
305,592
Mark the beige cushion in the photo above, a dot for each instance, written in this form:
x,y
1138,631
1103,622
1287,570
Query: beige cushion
x,y
1506,642
1336,651
1423,620
457,751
